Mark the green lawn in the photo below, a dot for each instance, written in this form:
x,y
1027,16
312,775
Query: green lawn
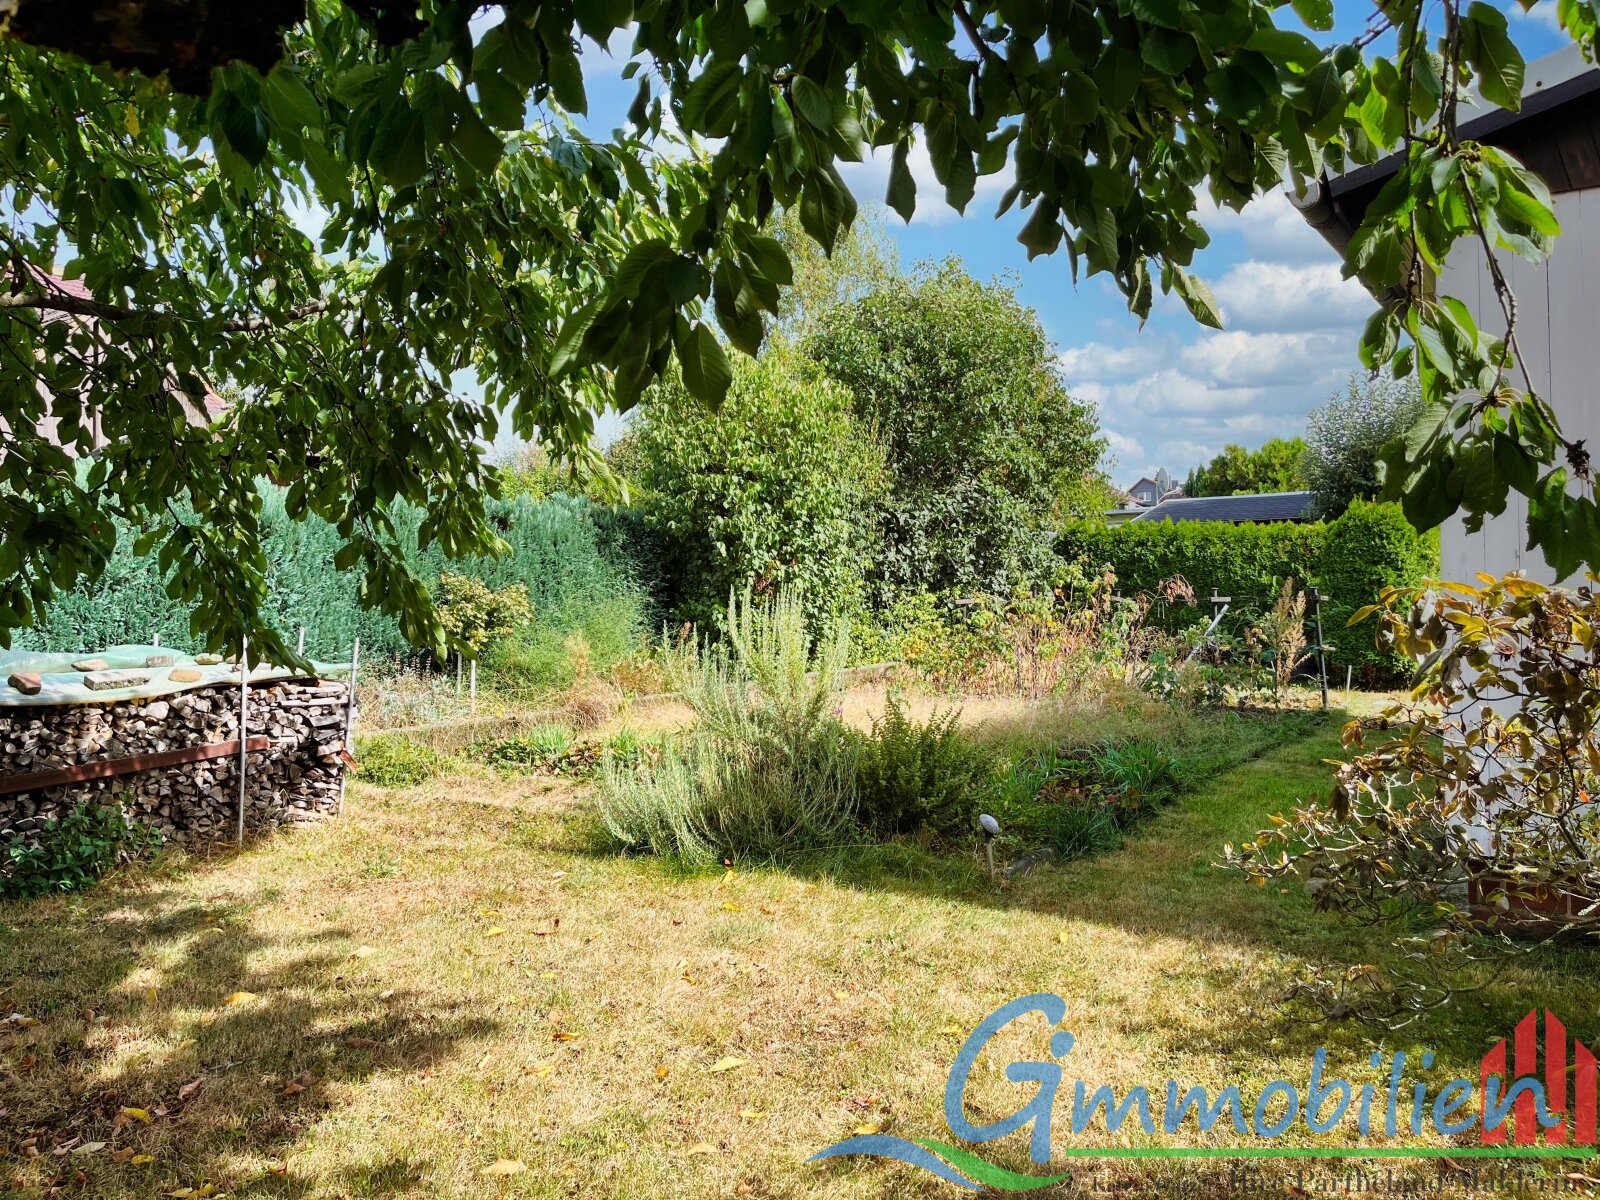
x,y
452,976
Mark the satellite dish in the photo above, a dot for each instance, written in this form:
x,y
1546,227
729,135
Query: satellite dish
x,y
989,824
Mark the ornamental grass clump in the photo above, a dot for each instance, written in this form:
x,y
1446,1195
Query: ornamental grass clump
x,y
769,769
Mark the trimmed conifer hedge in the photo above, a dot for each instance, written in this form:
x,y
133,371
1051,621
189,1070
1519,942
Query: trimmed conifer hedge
x,y
571,554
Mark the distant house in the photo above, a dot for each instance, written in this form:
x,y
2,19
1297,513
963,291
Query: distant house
x,y
199,411
1266,508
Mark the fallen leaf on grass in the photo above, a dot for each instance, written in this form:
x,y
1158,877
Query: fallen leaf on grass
x,y
495,932
298,1084
662,1073
90,1148
278,1168
504,1166
237,998
951,1029
141,1115
868,1129
1063,937
838,995
730,906
362,952
561,1035
190,1088
361,1043
769,910
750,1114
123,1155
729,1063
140,1160
544,1069
703,1148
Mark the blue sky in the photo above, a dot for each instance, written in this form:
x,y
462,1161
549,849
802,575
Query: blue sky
x,y
1171,394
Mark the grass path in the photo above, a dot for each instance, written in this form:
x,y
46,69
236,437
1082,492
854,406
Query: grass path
x,y
386,1006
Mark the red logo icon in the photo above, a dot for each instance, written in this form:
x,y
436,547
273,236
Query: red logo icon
x,y
1561,1080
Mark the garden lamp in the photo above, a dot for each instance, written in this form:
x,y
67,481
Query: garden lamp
x,y
991,830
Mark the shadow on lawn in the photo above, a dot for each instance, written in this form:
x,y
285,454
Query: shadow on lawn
x,y
231,1039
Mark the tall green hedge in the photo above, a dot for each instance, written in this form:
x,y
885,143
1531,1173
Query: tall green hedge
x,y
1351,559
571,555
1370,547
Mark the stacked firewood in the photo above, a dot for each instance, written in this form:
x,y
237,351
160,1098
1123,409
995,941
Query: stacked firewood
x,y
294,778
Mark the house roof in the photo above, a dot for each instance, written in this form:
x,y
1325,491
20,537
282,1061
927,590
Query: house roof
x,y
1556,133
1268,506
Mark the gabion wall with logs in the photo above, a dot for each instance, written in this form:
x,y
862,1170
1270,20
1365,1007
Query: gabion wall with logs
x,y
294,780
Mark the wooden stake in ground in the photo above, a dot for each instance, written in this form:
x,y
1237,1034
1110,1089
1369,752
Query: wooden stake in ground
x,y
472,688
349,726
244,715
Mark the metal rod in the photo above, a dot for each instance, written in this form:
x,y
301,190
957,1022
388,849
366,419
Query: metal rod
x,y
1322,653
244,715
155,638
1349,671
349,726
300,642
473,687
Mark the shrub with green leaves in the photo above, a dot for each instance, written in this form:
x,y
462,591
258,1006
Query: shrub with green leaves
x,y
70,852
474,614
392,761
985,448
912,775
771,491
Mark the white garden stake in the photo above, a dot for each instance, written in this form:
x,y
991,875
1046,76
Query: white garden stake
x,y
349,726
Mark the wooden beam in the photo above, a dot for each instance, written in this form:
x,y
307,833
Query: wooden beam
x,y
36,781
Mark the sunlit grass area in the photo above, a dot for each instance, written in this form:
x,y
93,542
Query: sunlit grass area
x,y
456,976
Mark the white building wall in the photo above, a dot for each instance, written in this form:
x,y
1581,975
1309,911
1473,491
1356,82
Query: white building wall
x,y
1558,332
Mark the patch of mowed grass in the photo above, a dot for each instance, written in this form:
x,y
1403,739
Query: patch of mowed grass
x,y
405,1026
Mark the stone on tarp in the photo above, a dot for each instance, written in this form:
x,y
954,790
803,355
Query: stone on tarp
x,y
101,681
208,660
26,682
183,675
159,660
90,664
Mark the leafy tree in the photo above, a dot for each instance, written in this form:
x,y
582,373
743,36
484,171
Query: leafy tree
x,y
167,154
985,448
1275,467
767,493
864,259
1345,436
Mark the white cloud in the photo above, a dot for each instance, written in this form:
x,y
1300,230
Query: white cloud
x,y
1270,227
1237,358
1097,361
1544,13
1261,295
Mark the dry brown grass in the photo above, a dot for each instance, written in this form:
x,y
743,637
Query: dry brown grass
x,y
449,976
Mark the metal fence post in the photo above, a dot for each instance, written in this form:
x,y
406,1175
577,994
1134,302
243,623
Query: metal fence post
x,y
1322,653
